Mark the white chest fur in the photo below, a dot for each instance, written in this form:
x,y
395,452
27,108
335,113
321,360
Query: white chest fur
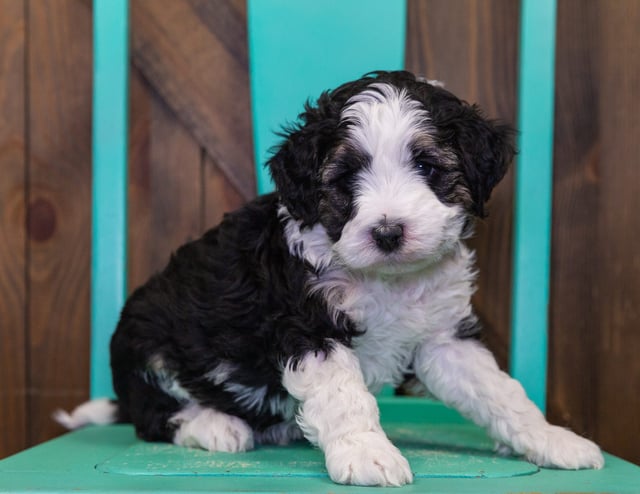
x,y
398,313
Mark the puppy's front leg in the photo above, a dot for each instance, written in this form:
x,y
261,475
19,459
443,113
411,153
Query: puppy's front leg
x,y
464,375
338,413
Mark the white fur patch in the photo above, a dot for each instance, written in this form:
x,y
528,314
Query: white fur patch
x,y
311,244
221,372
165,379
338,414
248,397
385,121
101,411
211,430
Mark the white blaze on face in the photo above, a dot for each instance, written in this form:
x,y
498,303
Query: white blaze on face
x,y
386,124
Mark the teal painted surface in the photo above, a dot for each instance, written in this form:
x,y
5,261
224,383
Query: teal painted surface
x,y
300,48
433,451
68,464
436,441
109,214
534,174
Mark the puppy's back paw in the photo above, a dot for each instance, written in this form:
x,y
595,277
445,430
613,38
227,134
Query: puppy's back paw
x,y
367,459
209,429
561,448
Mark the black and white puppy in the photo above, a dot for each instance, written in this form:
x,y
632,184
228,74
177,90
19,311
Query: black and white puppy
x,y
283,320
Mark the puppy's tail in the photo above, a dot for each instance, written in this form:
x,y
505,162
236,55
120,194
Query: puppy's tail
x,y
101,411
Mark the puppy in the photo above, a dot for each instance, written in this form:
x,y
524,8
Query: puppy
x,y
283,321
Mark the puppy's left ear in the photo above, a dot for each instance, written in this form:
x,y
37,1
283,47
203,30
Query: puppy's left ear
x,y
486,149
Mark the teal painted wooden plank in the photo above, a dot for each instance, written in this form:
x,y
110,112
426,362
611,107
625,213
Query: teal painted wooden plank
x,y
534,175
109,215
300,48
68,464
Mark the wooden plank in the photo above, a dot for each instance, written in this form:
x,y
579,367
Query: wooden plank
x,y
472,47
618,345
13,385
195,55
220,196
165,191
594,341
59,65
574,246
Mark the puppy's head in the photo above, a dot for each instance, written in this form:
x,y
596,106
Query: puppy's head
x,y
393,168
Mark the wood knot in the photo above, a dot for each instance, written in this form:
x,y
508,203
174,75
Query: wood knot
x,y
42,220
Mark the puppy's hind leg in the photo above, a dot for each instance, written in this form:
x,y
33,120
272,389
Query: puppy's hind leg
x,y
159,416
464,375
207,428
338,413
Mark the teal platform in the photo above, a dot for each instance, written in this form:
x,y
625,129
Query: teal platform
x,y
447,455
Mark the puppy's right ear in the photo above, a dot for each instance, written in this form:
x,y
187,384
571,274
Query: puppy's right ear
x,y
296,164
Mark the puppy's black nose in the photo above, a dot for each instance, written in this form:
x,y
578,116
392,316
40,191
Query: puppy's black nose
x,y
388,236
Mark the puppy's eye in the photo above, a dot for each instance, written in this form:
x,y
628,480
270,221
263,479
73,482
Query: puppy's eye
x,y
426,168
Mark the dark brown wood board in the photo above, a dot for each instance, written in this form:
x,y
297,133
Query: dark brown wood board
x,y
59,122
594,381
13,287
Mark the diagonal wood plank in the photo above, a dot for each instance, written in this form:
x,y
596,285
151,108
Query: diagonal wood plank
x,y
165,196
194,54
13,385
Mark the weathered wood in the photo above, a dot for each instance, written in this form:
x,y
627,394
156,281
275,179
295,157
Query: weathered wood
x,y
59,119
195,55
165,191
471,46
595,311
618,345
13,384
220,196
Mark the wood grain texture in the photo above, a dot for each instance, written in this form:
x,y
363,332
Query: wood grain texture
x,y
471,46
165,191
59,223
194,53
13,376
176,191
595,303
220,195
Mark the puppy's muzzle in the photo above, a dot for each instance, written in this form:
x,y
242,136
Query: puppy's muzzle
x,y
388,236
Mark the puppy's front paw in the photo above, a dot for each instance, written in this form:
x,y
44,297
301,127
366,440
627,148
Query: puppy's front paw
x,y
560,448
367,458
